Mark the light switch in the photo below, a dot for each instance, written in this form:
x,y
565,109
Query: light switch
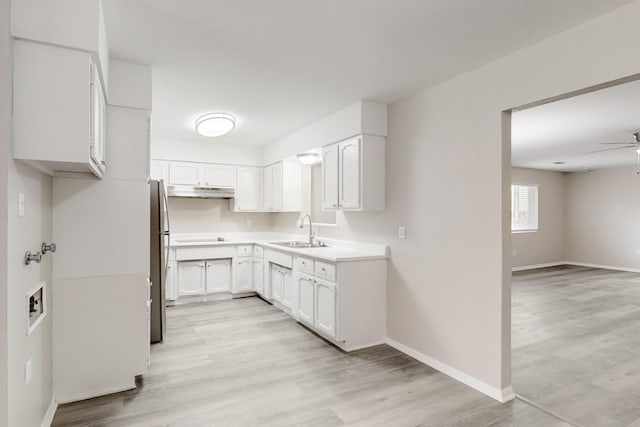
x,y
401,232
20,204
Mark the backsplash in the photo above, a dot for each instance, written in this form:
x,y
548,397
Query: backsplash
x,y
211,216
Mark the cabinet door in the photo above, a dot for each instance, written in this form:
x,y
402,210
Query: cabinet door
x,y
219,176
288,289
97,150
277,186
191,276
276,283
159,170
325,307
349,175
258,276
218,275
170,291
330,177
305,299
184,173
243,267
247,189
267,188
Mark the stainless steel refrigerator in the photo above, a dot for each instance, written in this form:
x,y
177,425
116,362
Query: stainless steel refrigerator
x,y
159,247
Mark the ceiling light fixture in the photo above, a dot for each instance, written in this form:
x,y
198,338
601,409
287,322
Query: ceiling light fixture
x,y
215,124
307,158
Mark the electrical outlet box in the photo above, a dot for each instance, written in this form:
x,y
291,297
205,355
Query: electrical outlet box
x,y
402,232
249,223
27,371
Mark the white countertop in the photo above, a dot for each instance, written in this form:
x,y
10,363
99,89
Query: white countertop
x,y
335,251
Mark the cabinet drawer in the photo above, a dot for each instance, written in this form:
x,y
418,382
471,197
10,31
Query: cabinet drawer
x,y
326,271
258,252
204,252
246,250
304,265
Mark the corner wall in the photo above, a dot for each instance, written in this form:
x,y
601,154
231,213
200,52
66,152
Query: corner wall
x,y
547,244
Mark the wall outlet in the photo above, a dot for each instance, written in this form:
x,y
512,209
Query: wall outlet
x,y
27,371
515,252
637,251
20,204
249,223
401,232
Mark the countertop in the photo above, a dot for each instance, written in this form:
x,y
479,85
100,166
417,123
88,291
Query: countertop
x,y
335,251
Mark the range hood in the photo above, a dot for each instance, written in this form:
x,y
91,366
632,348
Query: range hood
x,y
200,192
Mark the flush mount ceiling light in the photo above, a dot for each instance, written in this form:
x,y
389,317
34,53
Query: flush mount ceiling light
x,y
215,124
308,158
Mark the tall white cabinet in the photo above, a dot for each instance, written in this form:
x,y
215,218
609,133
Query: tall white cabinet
x,y
107,286
353,174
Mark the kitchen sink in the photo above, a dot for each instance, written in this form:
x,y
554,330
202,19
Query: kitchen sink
x,y
200,240
298,245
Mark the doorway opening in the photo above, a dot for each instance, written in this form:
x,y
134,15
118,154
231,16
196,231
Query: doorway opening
x,y
575,285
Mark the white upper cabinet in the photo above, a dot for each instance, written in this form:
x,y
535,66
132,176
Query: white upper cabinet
x,y
159,169
58,109
353,174
201,174
185,173
282,187
247,189
220,176
76,24
330,177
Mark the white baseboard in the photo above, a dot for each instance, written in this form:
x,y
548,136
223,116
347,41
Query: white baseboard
x,y
579,264
606,267
532,267
501,396
51,412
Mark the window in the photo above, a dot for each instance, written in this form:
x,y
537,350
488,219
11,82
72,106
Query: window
x,y
524,207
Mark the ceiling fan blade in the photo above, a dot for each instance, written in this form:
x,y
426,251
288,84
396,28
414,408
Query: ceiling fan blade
x,y
609,149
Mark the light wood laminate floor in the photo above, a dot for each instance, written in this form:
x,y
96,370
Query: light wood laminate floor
x,y
576,343
245,363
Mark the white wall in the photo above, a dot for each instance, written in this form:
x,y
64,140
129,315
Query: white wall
x,y
213,216
29,402
5,155
449,280
206,151
547,244
603,207
22,404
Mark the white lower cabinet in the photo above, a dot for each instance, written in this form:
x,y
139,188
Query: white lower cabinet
x,y
191,278
277,283
218,275
306,299
258,276
171,281
243,269
288,289
325,307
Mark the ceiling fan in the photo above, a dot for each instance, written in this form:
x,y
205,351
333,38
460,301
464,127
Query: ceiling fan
x,y
635,144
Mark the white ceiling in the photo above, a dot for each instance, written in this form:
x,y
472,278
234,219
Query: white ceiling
x,y
563,131
279,65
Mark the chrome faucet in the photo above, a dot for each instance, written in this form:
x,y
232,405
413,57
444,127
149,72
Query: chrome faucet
x,y
300,224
